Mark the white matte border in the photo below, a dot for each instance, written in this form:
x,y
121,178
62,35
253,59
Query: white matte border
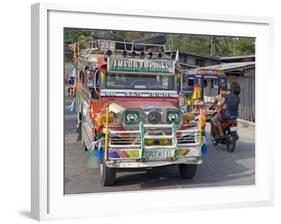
x,y
51,201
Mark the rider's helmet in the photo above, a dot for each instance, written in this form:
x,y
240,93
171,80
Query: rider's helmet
x,y
223,86
235,88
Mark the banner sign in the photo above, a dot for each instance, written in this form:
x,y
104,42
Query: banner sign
x,y
139,66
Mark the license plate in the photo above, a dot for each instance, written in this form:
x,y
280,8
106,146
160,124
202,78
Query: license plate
x,y
233,129
158,154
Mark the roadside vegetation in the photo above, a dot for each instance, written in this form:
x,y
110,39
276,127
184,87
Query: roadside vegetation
x,y
204,45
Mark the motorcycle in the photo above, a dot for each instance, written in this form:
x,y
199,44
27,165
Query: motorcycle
x,y
229,128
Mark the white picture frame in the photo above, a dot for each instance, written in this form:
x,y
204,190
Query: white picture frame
x,y
48,201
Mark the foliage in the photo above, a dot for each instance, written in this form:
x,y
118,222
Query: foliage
x,y
211,45
205,45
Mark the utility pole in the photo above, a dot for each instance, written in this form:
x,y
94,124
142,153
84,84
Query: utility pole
x,y
211,45
234,47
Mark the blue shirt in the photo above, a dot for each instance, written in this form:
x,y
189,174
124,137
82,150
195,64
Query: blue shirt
x,y
232,102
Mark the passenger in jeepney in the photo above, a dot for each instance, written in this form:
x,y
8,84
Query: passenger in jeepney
x,y
93,82
81,77
197,96
71,81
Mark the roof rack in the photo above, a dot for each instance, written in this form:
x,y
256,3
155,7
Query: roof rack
x,y
104,45
131,49
203,71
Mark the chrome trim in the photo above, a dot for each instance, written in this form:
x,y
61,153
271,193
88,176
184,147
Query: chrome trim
x,y
147,164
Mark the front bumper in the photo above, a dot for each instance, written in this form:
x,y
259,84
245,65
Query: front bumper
x,y
129,149
147,164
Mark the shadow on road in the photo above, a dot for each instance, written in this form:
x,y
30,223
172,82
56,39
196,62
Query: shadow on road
x,y
223,172
219,168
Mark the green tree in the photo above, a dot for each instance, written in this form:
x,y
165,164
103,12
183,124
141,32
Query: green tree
x,y
205,45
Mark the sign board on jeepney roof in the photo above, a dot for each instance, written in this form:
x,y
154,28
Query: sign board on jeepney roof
x,y
106,45
140,66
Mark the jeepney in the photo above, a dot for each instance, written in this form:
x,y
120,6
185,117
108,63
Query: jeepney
x,y
200,88
129,112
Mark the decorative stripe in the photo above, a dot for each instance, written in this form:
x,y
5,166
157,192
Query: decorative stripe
x,y
182,152
123,154
113,154
142,139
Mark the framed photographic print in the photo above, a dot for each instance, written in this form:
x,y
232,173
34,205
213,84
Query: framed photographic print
x,y
135,118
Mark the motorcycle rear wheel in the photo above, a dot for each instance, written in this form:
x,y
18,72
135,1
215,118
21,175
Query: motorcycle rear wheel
x,y
215,143
231,146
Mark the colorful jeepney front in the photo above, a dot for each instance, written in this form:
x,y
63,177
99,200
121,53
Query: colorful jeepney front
x,y
200,88
155,145
150,132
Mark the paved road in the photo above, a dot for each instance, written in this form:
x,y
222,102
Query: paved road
x,y
220,168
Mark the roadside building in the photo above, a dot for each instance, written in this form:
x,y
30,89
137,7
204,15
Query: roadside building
x,y
240,58
244,74
190,61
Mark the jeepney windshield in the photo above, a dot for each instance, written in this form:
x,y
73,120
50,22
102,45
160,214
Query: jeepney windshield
x,y
210,85
139,82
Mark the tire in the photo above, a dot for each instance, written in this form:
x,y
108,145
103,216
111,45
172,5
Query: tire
x,y
107,174
187,171
215,143
231,146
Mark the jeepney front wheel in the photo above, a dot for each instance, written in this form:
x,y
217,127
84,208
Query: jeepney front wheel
x,y
107,174
187,170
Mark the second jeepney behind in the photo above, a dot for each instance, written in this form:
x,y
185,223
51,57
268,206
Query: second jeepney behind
x,y
129,111
200,88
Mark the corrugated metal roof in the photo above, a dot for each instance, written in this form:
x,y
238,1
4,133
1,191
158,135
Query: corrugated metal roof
x,y
228,66
188,65
238,57
201,56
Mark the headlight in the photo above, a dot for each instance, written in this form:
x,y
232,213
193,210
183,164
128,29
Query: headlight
x,y
173,117
132,117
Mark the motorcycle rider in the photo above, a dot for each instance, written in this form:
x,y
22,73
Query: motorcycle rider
x,y
219,104
220,99
232,101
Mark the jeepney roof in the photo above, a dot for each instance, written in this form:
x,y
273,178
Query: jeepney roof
x,y
123,48
204,72
129,57
103,45
223,67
